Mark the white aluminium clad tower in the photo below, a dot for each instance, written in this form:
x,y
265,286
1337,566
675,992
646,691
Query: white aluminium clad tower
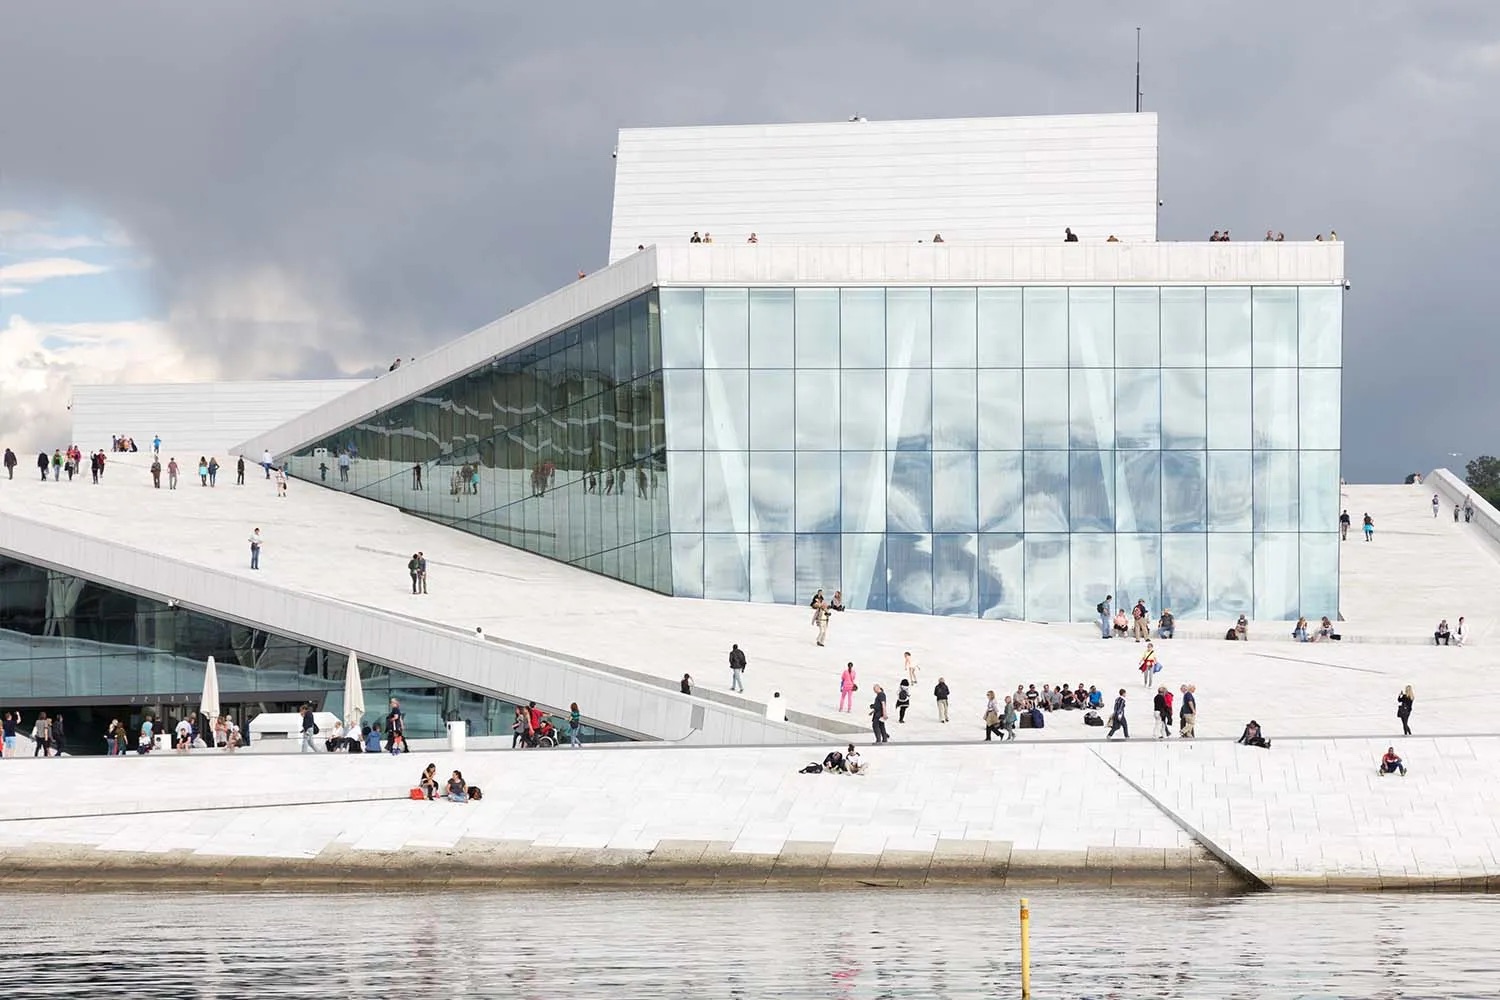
x,y
976,180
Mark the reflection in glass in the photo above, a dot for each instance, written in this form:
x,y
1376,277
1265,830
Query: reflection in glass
x,y
1319,406
726,491
1138,491
1231,575
1138,409
1183,328
955,585
1319,575
954,417
1229,491
1137,327
1045,481
909,570
1045,416
1184,490
772,328
1092,408
908,327
1045,327
1000,507
1047,578
687,564
772,419
909,417
909,491
1277,587
955,491
1000,327
817,491
1318,488
1229,408
817,410
1184,414
1092,573
862,327
999,397
954,324
1137,572
1275,408
1091,327
864,579
817,327
1092,490
1276,491
862,499
684,389
1320,323
726,567
681,328
685,490
1002,575
1228,327
1184,588
818,568
773,569
862,406
1274,327
773,488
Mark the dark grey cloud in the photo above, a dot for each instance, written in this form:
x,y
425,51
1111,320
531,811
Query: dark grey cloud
x,y
322,186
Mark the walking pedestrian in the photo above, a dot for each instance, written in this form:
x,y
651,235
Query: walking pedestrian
x,y
1344,523
59,736
41,736
265,462
903,700
878,715
736,668
281,483
156,445
10,464
1010,714
1369,528
1117,718
847,687
155,474
517,727
575,726
910,666
1149,666
991,717
255,542
821,617
395,726
1436,503
239,471
1455,513
309,730
172,474
1188,712
43,464
1404,702
940,692
1103,607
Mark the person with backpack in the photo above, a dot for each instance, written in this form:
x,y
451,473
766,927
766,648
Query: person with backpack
x,y
1117,718
1103,607
309,730
903,700
411,567
940,692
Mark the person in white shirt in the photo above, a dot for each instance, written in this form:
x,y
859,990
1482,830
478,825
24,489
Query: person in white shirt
x,y
336,738
255,542
265,462
184,732
281,483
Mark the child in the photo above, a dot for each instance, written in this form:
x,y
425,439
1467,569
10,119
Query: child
x,y
903,700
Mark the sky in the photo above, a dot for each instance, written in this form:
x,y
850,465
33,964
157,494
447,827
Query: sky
x,y
282,189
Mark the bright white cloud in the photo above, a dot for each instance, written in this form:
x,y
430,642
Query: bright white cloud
x,y
30,272
50,243
11,290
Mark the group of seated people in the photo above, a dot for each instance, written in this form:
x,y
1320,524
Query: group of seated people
x,y
1300,633
457,789
1444,636
358,739
1051,698
847,762
122,443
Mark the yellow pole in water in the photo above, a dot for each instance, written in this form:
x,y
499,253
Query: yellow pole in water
x,y
1025,951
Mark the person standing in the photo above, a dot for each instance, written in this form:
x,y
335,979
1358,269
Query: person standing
x,y
878,715
1161,722
8,735
213,472
1369,528
422,572
395,725
255,543
172,471
202,471
737,665
156,473
940,692
309,730
1148,666
903,700
265,461
343,466
41,736
575,726
1455,513
96,465
821,618
56,465
10,464
239,471
1103,607
43,464
910,666
411,568
416,476
1404,702
1117,718
1436,503
281,483
687,683
1010,715
847,687
1188,712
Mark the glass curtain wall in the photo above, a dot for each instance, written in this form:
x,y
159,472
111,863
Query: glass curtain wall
x,y
1006,452
557,448
66,640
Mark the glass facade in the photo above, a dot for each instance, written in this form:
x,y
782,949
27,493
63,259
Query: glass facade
x,y
557,448
1006,452
70,644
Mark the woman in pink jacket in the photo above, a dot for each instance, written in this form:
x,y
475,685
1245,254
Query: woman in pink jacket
x,y
847,688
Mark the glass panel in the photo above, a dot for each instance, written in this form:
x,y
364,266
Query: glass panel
x,y
773,569
818,568
909,417
1002,575
817,491
862,330
772,319
1318,505
817,410
817,327
681,328
1138,409
1229,491
1277,596
999,395
1046,327
1000,327
1138,573
1092,490
909,492
726,567
726,410
1319,575
1184,565
1091,408
685,490
773,488
1092,574
1228,316
862,494
1184,491
954,322
1275,408
864,571
955,491
772,415
1275,491
1229,409
1046,408
954,417
908,327
684,401
955,587
726,328
1000,506
687,565
1274,329
1138,491
726,491
1046,491
862,410
1183,319
1231,574
909,565
1320,326
1318,408
1184,414
1137,328
1047,578
1091,327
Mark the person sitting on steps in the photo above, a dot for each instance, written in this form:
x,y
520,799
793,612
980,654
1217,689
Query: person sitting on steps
x,y
1252,736
1392,762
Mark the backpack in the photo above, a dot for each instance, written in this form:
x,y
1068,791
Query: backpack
x,y
1099,607
813,768
1091,718
1038,721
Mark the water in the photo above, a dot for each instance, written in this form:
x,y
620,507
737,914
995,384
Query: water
x,y
876,943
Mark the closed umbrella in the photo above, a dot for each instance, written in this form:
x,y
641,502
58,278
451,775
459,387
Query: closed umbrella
x,y
208,705
354,694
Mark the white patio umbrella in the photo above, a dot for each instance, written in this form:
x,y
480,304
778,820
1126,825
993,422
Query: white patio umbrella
x,y
354,694
208,705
